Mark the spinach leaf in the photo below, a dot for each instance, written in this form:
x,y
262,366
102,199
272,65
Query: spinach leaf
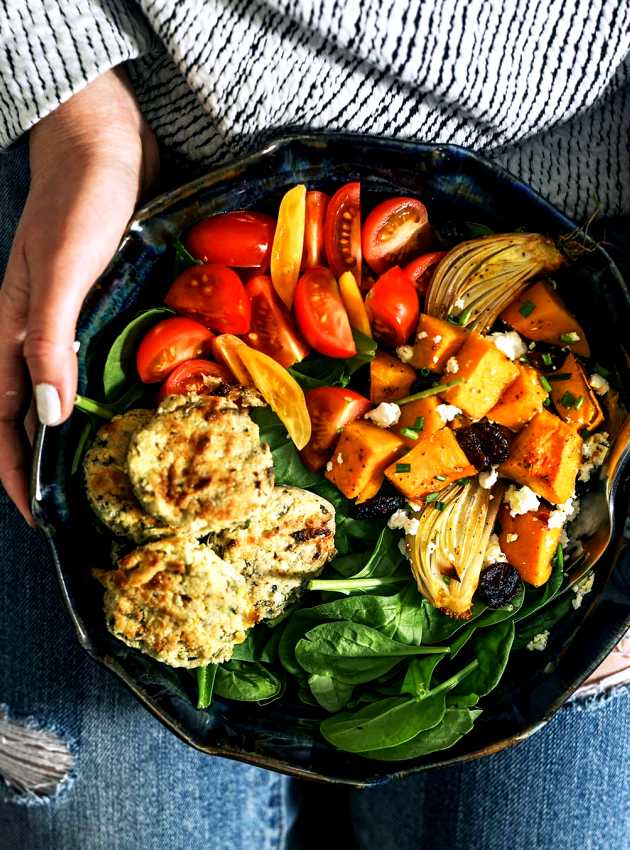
x,y
437,627
347,565
462,639
385,558
495,615
461,700
85,437
298,625
318,371
183,259
537,598
246,681
386,723
454,725
418,676
409,617
261,644
120,363
205,684
491,648
329,692
543,620
352,652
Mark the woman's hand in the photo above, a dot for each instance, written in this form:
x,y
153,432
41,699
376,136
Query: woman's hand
x,y
90,161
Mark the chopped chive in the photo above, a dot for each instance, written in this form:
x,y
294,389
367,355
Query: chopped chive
x,y
547,402
601,370
523,359
544,383
560,376
464,481
454,320
568,400
410,433
403,467
440,506
419,423
570,337
527,308
464,316
432,497
438,388
546,359
425,372
440,477
579,401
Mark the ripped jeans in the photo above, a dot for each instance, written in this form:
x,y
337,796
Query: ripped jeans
x,y
90,769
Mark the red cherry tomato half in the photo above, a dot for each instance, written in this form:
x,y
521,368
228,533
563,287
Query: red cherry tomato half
x,y
313,252
342,231
239,238
320,314
188,377
395,231
393,307
273,330
421,270
330,409
214,295
168,344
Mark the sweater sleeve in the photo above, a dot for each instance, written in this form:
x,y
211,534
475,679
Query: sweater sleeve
x,y
51,49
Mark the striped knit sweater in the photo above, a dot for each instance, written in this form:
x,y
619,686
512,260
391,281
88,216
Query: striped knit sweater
x,y
541,86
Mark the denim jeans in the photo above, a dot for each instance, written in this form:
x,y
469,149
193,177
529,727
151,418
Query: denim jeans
x,y
134,785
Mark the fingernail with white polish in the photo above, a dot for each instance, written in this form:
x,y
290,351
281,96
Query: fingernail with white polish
x,y
48,404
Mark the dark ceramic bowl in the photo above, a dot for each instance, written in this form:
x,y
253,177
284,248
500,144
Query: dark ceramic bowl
x,y
455,184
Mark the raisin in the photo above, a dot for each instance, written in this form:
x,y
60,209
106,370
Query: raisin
x,y
379,506
484,443
498,584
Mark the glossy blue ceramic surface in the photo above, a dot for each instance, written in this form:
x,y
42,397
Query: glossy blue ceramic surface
x,y
455,184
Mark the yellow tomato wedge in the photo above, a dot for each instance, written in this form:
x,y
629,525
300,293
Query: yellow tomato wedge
x,y
225,349
288,242
353,302
281,392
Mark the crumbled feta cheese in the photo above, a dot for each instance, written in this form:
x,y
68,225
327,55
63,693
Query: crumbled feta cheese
x,y
510,344
387,413
599,384
431,547
511,538
447,412
76,345
521,500
532,346
435,358
452,365
422,335
494,553
488,477
415,506
329,466
401,519
459,304
594,451
539,641
563,513
583,587
437,338
404,353
339,458
564,539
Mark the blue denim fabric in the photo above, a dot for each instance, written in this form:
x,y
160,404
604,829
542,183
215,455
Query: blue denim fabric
x,y
136,786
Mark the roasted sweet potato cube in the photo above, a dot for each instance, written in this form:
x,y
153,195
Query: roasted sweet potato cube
x,y
420,416
436,341
520,401
389,378
528,543
486,373
545,456
539,313
362,452
436,461
573,398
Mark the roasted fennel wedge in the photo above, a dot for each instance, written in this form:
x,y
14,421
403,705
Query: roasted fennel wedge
x,y
448,550
477,279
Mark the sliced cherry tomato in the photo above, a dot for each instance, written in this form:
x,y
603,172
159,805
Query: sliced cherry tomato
x,y
342,231
273,330
288,243
188,377
239,238
421,270
393,306
168,344
313,252
330,409
394,232
353,302
321,316
214,295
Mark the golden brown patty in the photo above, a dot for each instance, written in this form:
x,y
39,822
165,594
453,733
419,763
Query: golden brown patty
x,y
283,545
200,460
176,600
107,483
